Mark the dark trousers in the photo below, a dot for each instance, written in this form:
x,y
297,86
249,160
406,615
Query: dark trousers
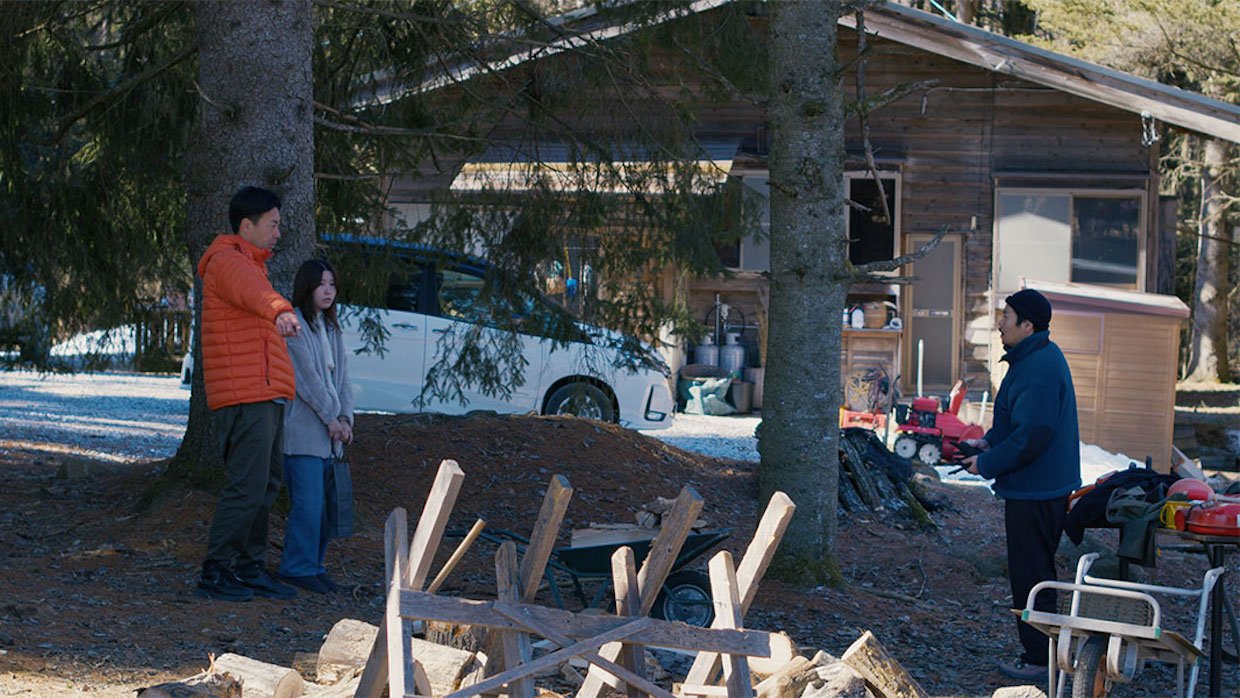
x,y
1033,531
250,437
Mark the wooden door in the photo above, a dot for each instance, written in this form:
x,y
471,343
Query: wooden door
x,y
932,312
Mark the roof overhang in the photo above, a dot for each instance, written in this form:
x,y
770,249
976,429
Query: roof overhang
x,y
1001,54
922,30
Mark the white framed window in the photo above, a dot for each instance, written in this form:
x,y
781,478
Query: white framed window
x,y
1080,235
753,251
871,236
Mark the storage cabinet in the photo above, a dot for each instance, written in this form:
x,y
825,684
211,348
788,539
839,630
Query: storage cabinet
x,y
864,349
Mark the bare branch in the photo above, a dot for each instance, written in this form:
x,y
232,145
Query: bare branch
x,y
893,264
896,93
207,98
346,177
863,117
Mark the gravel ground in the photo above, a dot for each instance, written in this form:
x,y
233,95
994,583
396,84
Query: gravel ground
x,y
126,416
110,416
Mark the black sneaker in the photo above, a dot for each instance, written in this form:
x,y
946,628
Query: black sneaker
x,y
328,582
219,582
263,585
309,582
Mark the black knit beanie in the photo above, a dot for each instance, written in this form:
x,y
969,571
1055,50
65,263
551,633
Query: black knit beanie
x,y
1032,306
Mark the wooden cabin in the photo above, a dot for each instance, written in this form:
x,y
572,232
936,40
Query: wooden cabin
x,y
1040,166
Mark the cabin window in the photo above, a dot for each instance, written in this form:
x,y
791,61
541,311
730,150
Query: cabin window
x,y
1082,236
753,251
872,237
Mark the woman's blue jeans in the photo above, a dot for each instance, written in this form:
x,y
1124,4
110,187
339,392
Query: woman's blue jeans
x,y
305,532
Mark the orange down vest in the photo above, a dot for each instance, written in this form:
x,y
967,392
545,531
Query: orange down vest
x,y
244,359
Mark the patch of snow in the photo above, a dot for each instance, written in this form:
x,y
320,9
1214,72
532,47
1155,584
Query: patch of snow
x,y
733,437
720,437
118,341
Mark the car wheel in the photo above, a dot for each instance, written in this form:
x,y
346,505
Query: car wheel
x,y
685,597
583,400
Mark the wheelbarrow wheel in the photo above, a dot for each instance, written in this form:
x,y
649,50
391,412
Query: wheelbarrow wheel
x,y
1090,678
685,597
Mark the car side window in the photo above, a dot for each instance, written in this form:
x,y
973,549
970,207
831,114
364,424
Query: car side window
x,y
460,294
404,290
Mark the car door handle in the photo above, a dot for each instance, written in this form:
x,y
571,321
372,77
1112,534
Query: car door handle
x,y
405,326
440,330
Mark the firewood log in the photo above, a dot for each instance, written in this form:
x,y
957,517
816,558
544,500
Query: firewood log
x,y
882,673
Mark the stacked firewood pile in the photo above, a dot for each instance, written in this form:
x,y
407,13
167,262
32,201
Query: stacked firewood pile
x,y
873,478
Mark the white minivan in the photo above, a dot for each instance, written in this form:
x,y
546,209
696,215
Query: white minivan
x,y
435,299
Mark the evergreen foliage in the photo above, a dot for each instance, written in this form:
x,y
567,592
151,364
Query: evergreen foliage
x,y
95,107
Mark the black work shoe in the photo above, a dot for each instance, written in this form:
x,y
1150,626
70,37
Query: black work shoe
x,y
263,585
1021,670
219,582
328,582
308,582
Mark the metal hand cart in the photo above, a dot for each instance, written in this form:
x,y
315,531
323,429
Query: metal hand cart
x,y
685,596
1109,628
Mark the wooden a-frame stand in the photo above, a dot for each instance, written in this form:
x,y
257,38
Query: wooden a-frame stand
x,y
612,645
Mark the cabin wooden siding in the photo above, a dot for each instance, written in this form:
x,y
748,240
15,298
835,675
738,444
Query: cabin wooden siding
x,y
955,139
953,143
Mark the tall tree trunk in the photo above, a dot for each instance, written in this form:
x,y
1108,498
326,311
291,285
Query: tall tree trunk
x,y
1208,354
809,282
254,127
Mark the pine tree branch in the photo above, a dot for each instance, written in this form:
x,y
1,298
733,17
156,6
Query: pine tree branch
x,y
146,24
375,130
389,14
732,90
120,89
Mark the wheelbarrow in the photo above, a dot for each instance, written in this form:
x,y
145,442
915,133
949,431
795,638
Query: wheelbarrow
x,y
1109,628
685,596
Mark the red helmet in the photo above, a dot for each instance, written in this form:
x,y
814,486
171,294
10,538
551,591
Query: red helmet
x,y
1193,489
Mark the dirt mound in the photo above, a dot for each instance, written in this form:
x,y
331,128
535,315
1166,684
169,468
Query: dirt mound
x,y
508,461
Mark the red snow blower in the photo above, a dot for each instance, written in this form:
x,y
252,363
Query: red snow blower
x,y
930,430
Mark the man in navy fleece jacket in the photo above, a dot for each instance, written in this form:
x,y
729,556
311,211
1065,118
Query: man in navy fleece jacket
x,y
1032,452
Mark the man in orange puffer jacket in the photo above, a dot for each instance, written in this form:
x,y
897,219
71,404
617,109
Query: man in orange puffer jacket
x,y
249,379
